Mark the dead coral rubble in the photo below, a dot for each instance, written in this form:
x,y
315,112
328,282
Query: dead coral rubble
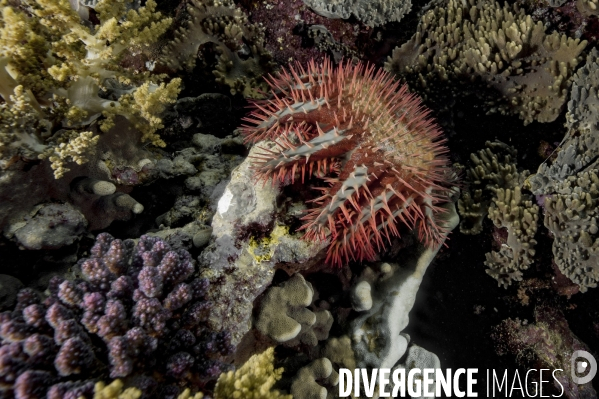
x,y
500,47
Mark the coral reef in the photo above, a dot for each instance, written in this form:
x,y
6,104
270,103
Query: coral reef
x,y
296,323
459,44
569,183
571,215
495,190
377,338
548,343
309,381
136,303
246,210
253,380
257,261
241,57
382,158
371,13
57,72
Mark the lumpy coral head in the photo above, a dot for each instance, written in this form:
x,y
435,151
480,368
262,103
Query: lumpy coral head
x,y
372,141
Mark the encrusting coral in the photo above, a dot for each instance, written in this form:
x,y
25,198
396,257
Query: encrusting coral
x,y
309,381
378,153
284,316
58,75
465,42
253,380
138,312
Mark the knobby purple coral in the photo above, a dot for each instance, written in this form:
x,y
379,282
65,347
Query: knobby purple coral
x,y
138,311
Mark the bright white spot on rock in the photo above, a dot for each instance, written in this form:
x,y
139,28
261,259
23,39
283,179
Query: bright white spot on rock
x,y
225,202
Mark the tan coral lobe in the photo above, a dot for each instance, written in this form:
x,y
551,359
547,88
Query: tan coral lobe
x,y
373,142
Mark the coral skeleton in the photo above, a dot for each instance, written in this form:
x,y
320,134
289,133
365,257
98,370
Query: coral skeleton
x,y
374,144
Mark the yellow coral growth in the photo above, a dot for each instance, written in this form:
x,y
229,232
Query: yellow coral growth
x,y
187,395
114,391
264,249
49,52
253,380
72,146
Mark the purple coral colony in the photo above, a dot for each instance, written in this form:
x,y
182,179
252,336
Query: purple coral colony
x,y
238,198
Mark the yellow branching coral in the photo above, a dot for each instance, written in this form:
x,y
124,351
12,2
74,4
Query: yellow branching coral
x,y
253,380
20,123
115,391
187,395
71,146
70,75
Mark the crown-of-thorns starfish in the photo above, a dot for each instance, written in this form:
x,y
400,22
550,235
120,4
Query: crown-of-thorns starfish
x,y
372,141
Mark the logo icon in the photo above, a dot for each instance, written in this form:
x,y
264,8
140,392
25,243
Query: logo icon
x,y
583,364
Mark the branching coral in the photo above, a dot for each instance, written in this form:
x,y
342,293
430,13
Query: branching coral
x,y
242,58
57,72
371,13
496,190
500,47
114,390
570,182
139,311
309,381
253,380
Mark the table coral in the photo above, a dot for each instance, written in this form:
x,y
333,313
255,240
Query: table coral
x,y
138,311
372,143
499,46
